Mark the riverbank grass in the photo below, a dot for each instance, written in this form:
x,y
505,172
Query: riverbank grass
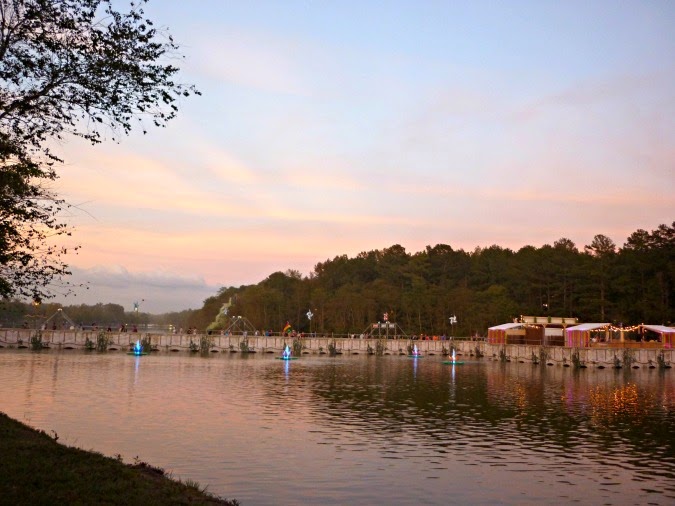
x,y
38,470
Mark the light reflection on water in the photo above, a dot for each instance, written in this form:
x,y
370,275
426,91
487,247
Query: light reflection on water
x,y
359,429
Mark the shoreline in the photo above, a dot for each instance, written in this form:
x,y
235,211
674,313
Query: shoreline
x,y
37,469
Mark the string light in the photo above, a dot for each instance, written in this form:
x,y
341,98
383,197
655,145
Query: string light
x,y
605,328
612,328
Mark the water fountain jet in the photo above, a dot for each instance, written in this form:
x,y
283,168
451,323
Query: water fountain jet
x,y
452,359
137,349
286,355
415,352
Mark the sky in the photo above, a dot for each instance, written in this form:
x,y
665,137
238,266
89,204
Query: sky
x,y
328,128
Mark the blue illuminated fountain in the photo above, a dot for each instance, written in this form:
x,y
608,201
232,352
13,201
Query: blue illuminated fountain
x,y
286,355
137,349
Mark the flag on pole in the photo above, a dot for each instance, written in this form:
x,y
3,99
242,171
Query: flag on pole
x,y
386,317
287,328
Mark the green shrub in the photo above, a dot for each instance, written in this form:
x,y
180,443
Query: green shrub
x,y
36,341
576,360
502,355
380,347
205,343
661,360
103,340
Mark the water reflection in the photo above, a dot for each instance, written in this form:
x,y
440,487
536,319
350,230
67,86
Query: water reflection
x,y
348,429
137,363
515,415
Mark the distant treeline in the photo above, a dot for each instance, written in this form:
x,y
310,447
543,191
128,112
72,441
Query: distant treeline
x,y
421,291
488,286
14,313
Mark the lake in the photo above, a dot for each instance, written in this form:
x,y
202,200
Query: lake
x,y
361,429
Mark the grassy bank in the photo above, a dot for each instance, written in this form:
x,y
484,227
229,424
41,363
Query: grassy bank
x,y
35,469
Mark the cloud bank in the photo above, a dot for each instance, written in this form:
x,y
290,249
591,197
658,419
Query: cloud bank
x,y
156,292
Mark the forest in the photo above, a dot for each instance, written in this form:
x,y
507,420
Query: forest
x,y
15,313
488,286
421,291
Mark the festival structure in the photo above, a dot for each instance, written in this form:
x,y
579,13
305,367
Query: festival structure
x,y
666,334
603,334
559,331
534,330
579,336
384,329
239,325
59,320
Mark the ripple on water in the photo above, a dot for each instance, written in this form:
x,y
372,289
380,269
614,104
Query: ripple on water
x,y
333,432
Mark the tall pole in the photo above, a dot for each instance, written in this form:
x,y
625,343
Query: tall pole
x,y
137,306
36,314
453,320
309,317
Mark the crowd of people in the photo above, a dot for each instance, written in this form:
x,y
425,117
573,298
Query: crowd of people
x,y
265,333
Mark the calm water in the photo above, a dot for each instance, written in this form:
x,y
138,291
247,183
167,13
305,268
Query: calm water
x,y
361,430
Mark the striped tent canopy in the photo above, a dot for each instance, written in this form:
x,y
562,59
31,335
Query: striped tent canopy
x,y
580,335
506,326
667,334
660,329
497,334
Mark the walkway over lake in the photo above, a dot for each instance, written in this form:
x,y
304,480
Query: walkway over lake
x,y
624,354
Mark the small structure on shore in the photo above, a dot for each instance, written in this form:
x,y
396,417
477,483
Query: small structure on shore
x,y
579,336
59,320
666,334
384,329
568,332
534,330
232,325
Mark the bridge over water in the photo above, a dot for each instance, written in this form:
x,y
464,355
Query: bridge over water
x,y
620,354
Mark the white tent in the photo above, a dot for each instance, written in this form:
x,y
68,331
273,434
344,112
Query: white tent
x,y
667,334
507,326
660,329
497,334
580,335
584,327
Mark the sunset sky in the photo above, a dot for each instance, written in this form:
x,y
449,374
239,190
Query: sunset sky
x,y
335,127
